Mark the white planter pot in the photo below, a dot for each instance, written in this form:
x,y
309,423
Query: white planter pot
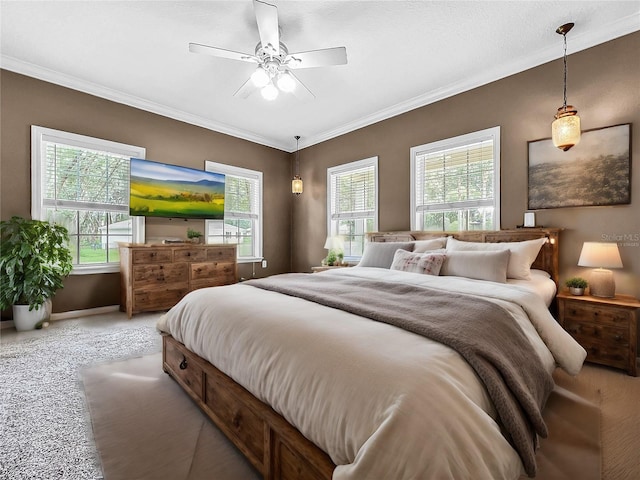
x,y
576,291
24,320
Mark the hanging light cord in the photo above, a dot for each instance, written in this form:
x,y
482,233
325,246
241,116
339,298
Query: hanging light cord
x,y
297,149
564,35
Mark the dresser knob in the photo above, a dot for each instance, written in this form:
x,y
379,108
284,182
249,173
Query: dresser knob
x,y
183,363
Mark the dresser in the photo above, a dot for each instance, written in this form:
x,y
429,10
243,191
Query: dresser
x,y
156,276
607,328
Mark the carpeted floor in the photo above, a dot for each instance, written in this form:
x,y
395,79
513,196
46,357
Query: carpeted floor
x,y
45,429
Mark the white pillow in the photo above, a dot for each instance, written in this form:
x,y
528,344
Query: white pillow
x,y
491,266
427,263
421,246
380,254
523,254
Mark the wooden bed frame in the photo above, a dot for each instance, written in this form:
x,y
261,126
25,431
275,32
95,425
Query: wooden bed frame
x,y
274,447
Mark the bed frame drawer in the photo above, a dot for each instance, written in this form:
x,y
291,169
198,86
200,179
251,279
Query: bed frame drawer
x,y
240,420
184,367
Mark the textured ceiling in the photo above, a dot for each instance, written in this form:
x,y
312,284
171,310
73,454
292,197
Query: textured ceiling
x,y
401,55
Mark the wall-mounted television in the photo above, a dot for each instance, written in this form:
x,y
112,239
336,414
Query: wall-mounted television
x,y
162,190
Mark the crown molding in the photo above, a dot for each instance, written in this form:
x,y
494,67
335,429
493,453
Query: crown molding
x,y
68,81
579,42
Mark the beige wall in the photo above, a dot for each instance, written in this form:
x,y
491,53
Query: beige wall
x,y
602,84
26,102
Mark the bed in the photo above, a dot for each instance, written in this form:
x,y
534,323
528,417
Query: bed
x,y
297,375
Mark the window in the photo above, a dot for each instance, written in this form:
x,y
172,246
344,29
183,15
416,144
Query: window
x,y
455,183
242,222
83,183
352,203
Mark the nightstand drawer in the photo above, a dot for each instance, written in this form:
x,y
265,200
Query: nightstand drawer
x,y
601,333
590,313
604,354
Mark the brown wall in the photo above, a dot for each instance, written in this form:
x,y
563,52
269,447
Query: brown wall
x,y
602,84
27,101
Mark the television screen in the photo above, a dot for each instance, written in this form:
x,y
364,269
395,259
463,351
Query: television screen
x,y
162,190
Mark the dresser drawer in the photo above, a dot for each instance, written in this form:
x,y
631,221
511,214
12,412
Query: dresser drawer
x,y
151,255
221,254
160,274
589,313
212,274
190,255
157,298
184,367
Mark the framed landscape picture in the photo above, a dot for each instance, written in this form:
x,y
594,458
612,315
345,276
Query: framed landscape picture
x,y
597,171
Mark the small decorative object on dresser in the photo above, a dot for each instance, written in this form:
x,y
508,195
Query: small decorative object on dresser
x,y
607,328
155,277
193,235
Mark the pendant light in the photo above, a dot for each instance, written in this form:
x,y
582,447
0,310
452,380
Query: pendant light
x,y
565,129
296,183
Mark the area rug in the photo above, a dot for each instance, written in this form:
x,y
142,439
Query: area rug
x,y
146,427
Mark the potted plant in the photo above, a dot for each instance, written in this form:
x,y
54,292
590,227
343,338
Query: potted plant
x,y
332,258
34,260
193,235
576,285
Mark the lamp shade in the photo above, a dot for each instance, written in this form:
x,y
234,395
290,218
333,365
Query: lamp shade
x,y
297,186
600,255
334,242
565,129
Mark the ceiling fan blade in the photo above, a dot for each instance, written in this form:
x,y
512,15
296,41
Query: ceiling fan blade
x,y
301,91
317,58
267,20
221,52
246,90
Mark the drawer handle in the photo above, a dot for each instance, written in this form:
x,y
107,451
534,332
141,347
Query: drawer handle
x,y
183,363
618,337
188,254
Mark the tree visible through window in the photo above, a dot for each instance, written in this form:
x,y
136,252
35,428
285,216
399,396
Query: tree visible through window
x,y
83,183
455,183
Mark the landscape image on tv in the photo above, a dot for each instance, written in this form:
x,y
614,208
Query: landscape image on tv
x,y
163,190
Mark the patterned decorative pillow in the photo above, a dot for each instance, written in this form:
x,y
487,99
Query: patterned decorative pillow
x,y
427,263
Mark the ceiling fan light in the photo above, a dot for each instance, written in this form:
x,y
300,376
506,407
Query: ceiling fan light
x,y
269,92
260,77
286,82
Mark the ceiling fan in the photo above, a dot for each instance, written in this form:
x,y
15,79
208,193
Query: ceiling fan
x,y
274,62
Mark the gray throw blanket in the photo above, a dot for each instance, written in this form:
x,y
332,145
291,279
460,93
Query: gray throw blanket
x,y
483,333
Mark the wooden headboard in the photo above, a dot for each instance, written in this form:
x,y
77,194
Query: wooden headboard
x,y
547,260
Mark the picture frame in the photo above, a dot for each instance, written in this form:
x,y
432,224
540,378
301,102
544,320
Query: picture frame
x,y
595,172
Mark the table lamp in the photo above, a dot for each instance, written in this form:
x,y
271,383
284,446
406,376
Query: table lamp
x,y
602,256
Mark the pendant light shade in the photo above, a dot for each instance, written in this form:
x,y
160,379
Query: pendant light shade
x,y
296,184
565,129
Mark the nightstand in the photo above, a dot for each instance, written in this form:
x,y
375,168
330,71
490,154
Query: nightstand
x,y
607,328
327,267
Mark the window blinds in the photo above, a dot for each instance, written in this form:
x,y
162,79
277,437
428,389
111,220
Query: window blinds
x,y
353,193
458,177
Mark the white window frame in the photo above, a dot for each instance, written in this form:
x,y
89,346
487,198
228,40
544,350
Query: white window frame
x,y
253,175
344,169
492,134
42,135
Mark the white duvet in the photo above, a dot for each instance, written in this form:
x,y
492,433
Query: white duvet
x,y
382,402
